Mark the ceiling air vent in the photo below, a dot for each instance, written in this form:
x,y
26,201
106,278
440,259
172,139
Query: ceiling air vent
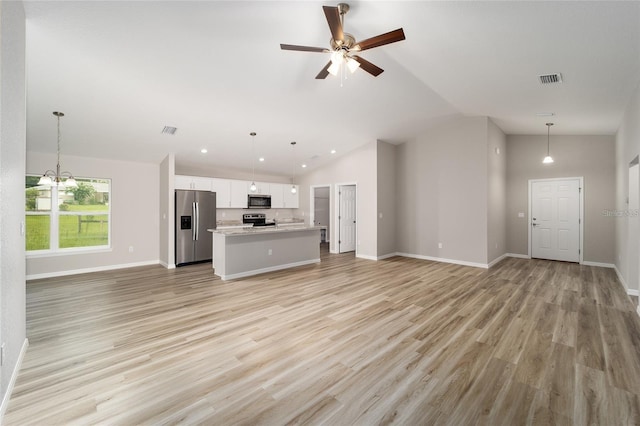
x,y
169,130
550,78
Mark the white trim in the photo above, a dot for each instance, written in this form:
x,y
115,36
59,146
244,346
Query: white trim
x,y
518,255
494,261
86,270
366,256
14,377
581,201
387,256
336,214
168,265
632,292
443,260
68,251
621,278
269,269
599,264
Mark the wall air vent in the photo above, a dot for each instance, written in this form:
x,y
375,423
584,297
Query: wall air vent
x,y
169,130
550,78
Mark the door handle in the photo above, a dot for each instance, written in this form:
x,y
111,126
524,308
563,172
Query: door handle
x,y
197,220
194,224
534,224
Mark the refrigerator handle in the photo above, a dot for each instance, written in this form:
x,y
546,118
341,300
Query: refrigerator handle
x,y
197,220
194,225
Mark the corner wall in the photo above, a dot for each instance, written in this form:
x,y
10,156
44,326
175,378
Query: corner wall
x,y
134,215
589,156
12,170
387,202
627,143
496,192
442,192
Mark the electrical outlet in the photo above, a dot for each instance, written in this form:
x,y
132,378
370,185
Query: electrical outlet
x,y
439,245
224,214
130,249
2,354
270,252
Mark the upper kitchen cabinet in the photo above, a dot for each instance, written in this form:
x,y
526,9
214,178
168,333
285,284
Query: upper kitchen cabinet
x,y
239,194
192,182
291,201
222,188
277,195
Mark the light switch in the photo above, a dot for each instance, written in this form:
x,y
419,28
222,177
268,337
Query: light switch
x,y
520,214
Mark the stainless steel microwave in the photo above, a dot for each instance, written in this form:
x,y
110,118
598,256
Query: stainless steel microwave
x,y
257,201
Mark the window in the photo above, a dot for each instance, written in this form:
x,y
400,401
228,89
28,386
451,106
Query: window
x,y
67,219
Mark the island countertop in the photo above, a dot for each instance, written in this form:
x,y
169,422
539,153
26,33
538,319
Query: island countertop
x,y
264,230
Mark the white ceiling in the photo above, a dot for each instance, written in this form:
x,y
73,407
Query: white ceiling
x,y
121,70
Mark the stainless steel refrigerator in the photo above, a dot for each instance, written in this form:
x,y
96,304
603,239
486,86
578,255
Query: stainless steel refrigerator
x,y
195,213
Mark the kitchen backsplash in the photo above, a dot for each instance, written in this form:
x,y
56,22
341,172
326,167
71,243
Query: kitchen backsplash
x,y
279,215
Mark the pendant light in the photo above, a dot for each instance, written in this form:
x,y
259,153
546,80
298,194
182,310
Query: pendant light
x,y
293,174
548,159
50,177
253,186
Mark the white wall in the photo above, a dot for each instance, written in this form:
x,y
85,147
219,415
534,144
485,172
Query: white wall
x,y
497,192
442,192
12,170
627,142
358,166
135,205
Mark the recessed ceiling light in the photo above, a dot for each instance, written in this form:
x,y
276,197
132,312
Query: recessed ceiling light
x,y
203,150
544,114
261,159
304,165
333,151
169,130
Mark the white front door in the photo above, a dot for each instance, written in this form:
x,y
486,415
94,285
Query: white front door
x,y
347,218
555,219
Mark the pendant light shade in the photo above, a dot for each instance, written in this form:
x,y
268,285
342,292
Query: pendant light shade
x,y
50,177
293,174
548,159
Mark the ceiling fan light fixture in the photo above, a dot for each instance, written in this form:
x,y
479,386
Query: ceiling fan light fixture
x,y
352,64
334,68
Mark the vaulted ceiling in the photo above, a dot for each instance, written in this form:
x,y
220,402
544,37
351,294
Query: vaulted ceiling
x,y
122,70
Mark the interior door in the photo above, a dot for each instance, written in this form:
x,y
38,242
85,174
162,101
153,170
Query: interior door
x,y
347,218
555,220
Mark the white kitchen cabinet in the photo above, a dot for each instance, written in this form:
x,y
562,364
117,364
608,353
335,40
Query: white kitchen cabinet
x,y
222,188
239,194
192,182
262,188
277,195
291,201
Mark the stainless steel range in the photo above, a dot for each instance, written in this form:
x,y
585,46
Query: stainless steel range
x,y
257,219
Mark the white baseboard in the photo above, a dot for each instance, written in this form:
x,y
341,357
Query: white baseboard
x,y
599,264
168,265
14,377
366,256
621,278
86,270
444,260
264,270
494,261
519,256
632,292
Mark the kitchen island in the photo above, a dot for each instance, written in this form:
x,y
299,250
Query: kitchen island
x,y
244,252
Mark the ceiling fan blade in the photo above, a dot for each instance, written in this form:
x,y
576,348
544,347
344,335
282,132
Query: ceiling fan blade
x,y
333,19
380,40
324,72
303,48
367,66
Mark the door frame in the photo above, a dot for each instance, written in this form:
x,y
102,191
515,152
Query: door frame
x,y
335,237
312,206
581,218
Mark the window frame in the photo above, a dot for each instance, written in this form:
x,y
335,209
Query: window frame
x,y
54,214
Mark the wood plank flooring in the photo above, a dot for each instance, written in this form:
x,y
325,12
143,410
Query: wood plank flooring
x,y
347,341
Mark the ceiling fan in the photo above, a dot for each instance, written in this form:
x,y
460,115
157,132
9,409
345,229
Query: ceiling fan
x,y
344,45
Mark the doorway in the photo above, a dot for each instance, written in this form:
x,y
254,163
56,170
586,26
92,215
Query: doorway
x,y
347,226
321,210
633,235
555,210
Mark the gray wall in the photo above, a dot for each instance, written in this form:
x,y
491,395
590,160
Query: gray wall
x,y
442,192
358,166
387,202
12,170
134,213
497,192
166,201
627,147
592,157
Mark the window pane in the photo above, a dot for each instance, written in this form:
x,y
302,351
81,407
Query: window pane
x,y
37,197
37,231
82,230
91,195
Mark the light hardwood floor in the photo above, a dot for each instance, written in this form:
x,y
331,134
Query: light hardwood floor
x,y
348,341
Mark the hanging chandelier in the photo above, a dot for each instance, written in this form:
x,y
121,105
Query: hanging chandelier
x,y
55,178
548,159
